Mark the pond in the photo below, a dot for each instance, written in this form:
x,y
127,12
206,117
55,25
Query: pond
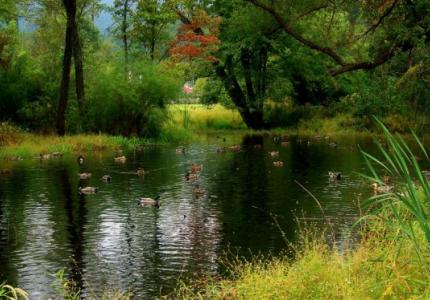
x,y
108,240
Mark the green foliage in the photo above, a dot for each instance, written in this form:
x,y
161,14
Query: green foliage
x,y
211,91
132,104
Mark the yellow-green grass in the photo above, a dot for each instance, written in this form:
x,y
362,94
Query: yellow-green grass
x,y
382,266
27,145
204,117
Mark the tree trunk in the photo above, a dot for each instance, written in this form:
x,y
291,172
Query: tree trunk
x,y
152,44
124,35
79,70
70,6
252,117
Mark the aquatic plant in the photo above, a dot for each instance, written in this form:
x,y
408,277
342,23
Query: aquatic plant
x,y
9,292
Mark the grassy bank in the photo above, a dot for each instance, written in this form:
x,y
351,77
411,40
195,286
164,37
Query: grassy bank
x,y
383,266
186,123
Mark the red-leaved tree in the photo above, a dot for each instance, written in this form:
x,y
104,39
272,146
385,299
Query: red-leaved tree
x,y
197,39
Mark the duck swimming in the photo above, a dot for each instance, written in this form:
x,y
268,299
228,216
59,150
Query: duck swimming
x,y
140,172
44,156
235,148
381,189
107,178
198,191
274,153
190,176
278,163
196,168
88,190
81,160
120,159
84,175
334,175
57,154
150,201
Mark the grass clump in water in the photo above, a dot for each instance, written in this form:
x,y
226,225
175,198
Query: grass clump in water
x,y
9,292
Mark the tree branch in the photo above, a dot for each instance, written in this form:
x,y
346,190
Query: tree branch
x,y
344,66
379,22
312,10
289,30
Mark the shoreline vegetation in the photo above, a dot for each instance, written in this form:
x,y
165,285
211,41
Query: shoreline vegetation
x,y
187,123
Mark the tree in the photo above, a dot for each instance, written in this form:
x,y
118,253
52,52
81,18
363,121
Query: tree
x,y
408,14
122,12
72,47
150,25
197,38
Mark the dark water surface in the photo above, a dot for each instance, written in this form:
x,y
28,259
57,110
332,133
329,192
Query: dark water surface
x,y
107,240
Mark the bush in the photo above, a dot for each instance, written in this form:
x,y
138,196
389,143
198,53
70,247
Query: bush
x,y
132,104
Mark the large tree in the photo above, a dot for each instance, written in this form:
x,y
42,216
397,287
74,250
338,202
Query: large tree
x,y
72,48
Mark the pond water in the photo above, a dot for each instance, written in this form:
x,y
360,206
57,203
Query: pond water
x,y
108,240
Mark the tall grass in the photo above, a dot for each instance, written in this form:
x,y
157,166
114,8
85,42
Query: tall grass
x,y
203,117
408,204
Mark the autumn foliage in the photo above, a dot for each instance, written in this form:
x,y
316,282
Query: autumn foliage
x,y
197,39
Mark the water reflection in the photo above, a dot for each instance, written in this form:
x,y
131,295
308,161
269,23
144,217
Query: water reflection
x,y
108,240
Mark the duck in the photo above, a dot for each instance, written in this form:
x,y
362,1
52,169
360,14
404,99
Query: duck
x,y
13,158
190,176
57,154
44,156
84,175
334,175
150,201
386,179
220,150
180,150
81,160
120,159
198,191
140,172
278,163
196,168
88,190
381,189
234,148
332,145
274,153
285,144
426,174
107,178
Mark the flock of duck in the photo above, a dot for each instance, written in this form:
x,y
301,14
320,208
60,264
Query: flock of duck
x,y
193,173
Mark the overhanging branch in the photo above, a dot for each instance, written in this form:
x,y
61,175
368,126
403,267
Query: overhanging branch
x,y
330,52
